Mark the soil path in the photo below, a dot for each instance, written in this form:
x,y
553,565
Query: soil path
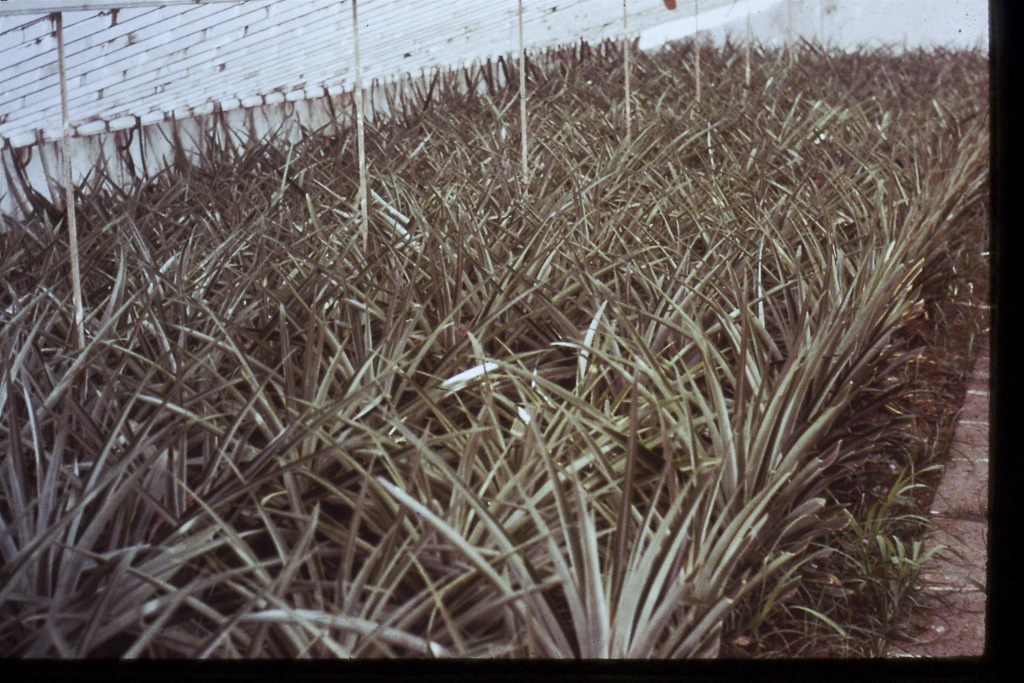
x,y
952,623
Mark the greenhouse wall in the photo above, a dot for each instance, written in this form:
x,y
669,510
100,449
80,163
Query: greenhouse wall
x,y
140,75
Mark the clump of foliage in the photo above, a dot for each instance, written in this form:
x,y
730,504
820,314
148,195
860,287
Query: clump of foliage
x,y
619,408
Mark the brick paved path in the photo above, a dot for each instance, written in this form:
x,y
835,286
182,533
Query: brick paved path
x,y
954,580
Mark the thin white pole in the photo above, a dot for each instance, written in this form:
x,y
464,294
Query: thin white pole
x,y
789,31
696,43
69,191
821,22
747,71
360,135
522,91
625,52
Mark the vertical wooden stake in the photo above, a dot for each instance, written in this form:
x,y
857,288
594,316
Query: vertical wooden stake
x,y
69,191
360,135
625,52
696,43
821,22
522,91
789,31
747,71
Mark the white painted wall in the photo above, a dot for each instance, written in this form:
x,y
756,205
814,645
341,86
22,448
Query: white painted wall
x,y
906,24
842,24
265,62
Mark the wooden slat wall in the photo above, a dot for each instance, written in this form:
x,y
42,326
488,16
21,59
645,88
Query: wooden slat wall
x,y
153,62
